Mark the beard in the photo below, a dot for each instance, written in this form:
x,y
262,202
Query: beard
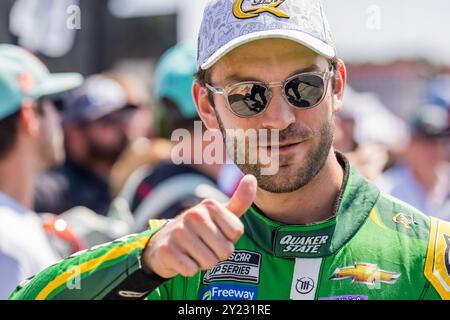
x,y
289,178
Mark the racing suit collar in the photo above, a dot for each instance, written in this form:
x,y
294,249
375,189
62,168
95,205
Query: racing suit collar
x,y
353,205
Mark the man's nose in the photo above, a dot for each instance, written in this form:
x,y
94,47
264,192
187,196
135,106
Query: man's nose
x,y
279,115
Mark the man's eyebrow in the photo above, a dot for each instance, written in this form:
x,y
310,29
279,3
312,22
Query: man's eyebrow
x,y
311,68
236,77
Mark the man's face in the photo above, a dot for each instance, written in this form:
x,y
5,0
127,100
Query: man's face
x,y
107,138
430,152
305,135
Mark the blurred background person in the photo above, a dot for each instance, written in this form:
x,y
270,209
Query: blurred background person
x,y
137,94
368,133
31,141
97,125
146,148
167,189
422,177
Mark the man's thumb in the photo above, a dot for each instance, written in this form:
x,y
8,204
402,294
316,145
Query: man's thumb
x,y
244,196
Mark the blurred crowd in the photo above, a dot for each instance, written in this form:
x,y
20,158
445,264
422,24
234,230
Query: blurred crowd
x,y
83,162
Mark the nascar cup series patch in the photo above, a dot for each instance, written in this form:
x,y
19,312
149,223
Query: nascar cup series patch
x,y
242,266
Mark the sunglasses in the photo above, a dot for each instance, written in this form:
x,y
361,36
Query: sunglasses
x,y
251,98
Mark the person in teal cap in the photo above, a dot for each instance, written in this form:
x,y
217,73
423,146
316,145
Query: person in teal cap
x,y
174,76
31,141
178,182
173,86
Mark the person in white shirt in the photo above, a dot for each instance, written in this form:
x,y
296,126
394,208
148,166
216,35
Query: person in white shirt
x,y
422,179
31,141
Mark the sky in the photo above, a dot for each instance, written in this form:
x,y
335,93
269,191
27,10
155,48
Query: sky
x,y
410,28
364,30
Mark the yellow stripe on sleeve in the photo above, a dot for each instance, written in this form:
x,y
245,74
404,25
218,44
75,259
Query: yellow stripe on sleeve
x,y
375,218
91,265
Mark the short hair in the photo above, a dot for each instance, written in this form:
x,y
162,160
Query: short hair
x,y
9,128
174,119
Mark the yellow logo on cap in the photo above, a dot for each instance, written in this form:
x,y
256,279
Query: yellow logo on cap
x,y
258,7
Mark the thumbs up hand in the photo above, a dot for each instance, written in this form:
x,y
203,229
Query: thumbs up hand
x,y
201,236
243,197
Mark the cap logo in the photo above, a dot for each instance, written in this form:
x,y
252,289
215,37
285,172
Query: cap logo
x,y
254,8
26,82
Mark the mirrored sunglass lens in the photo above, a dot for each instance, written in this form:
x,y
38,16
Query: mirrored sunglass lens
x,y
248,99
305,91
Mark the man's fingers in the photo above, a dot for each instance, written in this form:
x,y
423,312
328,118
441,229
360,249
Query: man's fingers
x,y
228,223
244,196
184,265
169,260
205,228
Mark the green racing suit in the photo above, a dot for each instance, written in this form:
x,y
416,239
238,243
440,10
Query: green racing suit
x,y
374,247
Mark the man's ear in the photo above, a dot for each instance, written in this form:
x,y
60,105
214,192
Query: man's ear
x,y
29,122
205,109
340,80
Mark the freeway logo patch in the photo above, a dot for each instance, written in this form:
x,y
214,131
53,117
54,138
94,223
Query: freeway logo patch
x,y
242,266
229,292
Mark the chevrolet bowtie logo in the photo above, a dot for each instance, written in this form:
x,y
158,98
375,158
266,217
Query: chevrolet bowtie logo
x,y
365,273
258,7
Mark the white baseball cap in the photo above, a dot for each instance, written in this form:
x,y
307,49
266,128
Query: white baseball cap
x,y
228,24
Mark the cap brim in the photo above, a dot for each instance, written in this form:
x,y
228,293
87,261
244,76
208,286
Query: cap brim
x,y
302,38
59,83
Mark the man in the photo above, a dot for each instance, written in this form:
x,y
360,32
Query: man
x,y
314,230
422,179
31,141
96,126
